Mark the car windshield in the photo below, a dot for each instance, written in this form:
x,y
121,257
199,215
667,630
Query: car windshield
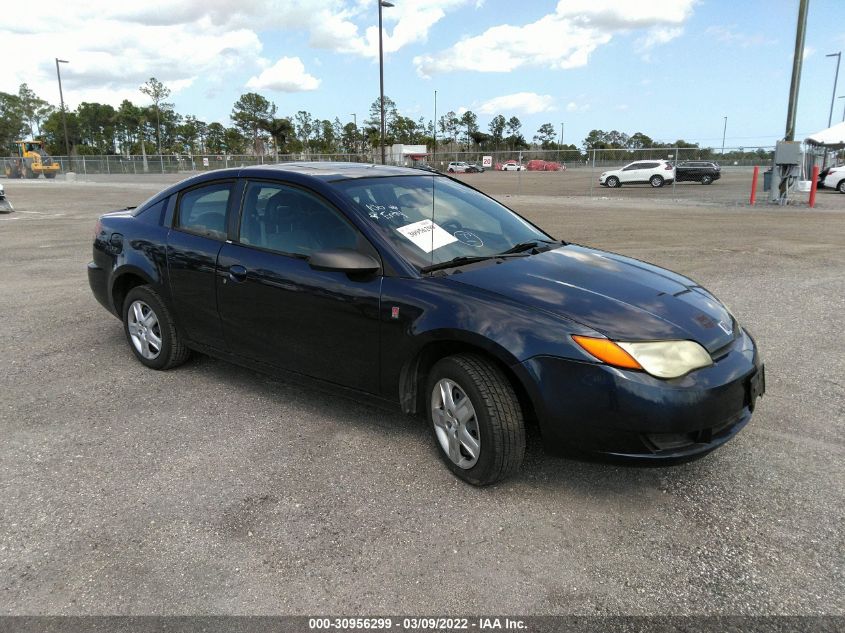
x,y
431,219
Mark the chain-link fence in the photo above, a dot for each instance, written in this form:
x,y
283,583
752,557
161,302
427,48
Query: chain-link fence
x,y
174,163
684,173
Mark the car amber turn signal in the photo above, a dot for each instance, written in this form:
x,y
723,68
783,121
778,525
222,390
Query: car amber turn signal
x,y
607,351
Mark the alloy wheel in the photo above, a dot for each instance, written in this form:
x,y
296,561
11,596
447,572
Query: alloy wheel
x,y
144,330
455,423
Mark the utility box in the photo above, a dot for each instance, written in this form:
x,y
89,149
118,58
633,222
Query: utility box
x,y
788,153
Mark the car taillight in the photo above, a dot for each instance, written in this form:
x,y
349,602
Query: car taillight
x,y
668,168
98,228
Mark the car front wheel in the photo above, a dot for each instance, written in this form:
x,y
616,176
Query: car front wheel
x,y
476,419
612,182
150,330
656,181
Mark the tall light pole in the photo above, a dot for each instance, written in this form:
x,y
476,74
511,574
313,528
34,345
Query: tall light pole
x,y
560,147
843,109
434,128
62,100
355,138
838,57
724,131
386,4
795,82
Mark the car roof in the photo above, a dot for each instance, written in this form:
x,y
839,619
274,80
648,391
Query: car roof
x,y
300,171
328,171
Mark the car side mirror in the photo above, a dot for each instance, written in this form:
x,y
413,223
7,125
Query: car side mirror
x,y
344,260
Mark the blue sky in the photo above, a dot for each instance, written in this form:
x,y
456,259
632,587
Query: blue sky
x,y
668,68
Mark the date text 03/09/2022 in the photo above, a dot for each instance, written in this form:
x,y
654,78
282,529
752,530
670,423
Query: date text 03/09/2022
x,y
417,623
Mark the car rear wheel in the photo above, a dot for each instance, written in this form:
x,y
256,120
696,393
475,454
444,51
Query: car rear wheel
x,y
151,331
841,186
476,419
656,181
451,171
706,180
612,182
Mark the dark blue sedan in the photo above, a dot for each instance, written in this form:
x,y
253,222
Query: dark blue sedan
x,y
418,289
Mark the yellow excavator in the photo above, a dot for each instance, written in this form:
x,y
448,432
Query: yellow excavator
x,y
30,161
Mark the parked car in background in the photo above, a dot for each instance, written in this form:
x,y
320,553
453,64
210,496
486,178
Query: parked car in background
x,y
703,171
512,165
457,167
544,165
653,172
835,179
474,168
5,205
422,291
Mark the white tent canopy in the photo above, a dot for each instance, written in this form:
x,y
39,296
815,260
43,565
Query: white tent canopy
x,y
831,137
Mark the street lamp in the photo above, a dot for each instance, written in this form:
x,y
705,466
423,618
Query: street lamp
x,y
355,137
560,147
434,130
387,5
724,131
843,109
838,57
62,100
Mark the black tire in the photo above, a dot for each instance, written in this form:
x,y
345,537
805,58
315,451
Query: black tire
x,y
612,182
499,417
173,350
656,181
49,174
706,180
451,171
841,186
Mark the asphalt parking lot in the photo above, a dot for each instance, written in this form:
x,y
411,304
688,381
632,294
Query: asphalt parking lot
x,y
212,489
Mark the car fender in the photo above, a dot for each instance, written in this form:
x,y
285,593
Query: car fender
x,y
447,317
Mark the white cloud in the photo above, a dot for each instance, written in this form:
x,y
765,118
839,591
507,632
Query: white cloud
x,y
113,47
110,56
572,106
730,35
563,39
520,102
286,75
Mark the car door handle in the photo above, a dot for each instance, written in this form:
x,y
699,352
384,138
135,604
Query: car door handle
x,y
237,273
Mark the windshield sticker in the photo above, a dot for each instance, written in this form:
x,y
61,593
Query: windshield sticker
x,y
468,238
388,212
426,235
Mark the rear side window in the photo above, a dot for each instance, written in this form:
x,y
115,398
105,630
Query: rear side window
x,y
203,210
649,165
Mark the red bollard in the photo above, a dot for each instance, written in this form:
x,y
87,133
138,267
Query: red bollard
x,y
814,186
754,185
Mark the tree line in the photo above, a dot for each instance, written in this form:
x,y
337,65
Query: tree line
x,y
257,128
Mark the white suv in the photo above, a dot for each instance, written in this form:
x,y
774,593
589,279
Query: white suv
x,y
457,167
654,172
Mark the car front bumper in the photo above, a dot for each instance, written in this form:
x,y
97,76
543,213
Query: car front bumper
x,y
597,408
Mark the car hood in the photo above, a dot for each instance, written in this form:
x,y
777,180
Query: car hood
x,y
623,298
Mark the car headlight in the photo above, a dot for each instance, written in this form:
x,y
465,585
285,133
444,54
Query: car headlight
x,y
663,359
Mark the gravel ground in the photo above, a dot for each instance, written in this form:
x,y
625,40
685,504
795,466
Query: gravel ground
x,y
212,489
